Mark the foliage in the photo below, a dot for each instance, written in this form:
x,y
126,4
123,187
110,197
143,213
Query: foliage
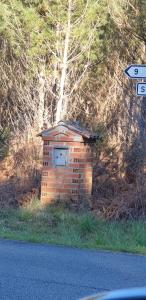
x,y
61,227
134,158
102,140
23,28
4,142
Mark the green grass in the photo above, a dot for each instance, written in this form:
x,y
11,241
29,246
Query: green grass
x,y
59,226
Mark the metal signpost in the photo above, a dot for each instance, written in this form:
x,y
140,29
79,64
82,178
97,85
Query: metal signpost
x,y
136,72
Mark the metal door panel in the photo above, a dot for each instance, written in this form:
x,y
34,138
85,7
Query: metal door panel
x,y
60,156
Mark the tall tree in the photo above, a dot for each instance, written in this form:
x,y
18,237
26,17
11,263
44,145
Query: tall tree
x,y
75,24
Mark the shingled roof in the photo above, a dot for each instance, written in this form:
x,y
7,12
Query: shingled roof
x,y
74,126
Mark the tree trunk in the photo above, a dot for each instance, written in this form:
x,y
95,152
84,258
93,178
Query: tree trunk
x,y
62,102
41,99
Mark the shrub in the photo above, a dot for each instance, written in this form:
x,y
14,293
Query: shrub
x,y
4,142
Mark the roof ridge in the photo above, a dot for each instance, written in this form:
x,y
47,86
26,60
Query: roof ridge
x,y
74,126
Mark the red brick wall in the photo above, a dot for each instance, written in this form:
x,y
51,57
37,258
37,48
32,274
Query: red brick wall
x,y
73,181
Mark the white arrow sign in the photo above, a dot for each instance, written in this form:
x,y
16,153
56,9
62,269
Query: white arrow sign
x,y
141,89
136,71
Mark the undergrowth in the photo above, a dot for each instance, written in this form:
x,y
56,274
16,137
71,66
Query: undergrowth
x,y
56,225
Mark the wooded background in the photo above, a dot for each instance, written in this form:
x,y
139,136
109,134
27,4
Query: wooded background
x,y
65,59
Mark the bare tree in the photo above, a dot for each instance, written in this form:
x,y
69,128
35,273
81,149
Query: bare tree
x,y
71,53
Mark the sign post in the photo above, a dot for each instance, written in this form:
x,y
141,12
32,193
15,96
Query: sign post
x,y
136,71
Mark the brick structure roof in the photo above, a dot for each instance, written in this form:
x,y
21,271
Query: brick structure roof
x,y
73,126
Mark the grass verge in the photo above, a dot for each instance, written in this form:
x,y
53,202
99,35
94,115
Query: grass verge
x,y
61,227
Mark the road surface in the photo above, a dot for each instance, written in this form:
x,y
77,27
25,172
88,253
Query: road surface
x,y
41,272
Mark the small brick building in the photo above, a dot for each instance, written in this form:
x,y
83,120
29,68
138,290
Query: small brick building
x,y
67,163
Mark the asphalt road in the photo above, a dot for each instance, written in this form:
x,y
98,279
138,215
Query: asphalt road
x,y
41,272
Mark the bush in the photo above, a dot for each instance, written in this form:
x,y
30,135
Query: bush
x,y
4,142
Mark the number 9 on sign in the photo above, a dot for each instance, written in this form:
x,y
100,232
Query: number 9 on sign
x,y
135,71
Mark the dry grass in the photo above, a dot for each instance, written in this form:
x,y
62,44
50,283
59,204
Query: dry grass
x,y
20,173
128,205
